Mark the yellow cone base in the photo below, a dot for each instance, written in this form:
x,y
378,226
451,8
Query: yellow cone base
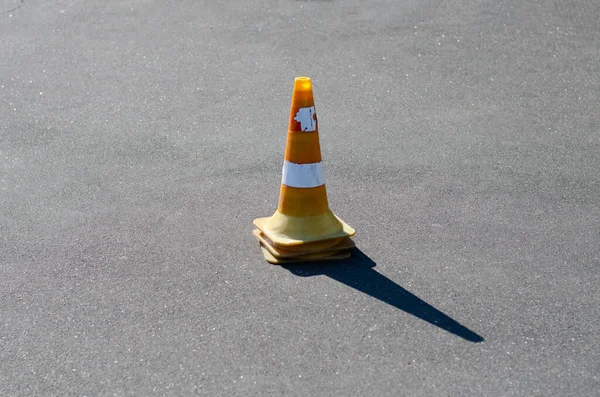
x,y
310,252
296,251
286,230
309,258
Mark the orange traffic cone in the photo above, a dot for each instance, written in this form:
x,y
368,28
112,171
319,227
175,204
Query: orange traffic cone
x,y
303,227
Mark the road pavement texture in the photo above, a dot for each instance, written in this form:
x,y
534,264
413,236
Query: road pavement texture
x,y
139,139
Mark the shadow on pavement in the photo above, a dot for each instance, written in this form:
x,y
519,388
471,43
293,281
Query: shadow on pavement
x,y
358,273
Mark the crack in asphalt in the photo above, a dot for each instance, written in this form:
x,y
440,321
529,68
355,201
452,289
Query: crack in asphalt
x,y
16,8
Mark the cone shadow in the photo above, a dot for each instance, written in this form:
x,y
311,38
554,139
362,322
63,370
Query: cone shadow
x,y
358,273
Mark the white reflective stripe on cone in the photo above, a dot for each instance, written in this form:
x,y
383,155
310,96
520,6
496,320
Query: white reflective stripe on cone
x,y
302,175
307,119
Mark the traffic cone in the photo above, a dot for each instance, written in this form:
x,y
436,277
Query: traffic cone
x,y
303,224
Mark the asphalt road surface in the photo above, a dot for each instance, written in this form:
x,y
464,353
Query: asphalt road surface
x,y
139,139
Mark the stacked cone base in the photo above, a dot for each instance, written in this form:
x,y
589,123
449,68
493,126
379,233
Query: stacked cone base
x,y
305,229
310,252
279,261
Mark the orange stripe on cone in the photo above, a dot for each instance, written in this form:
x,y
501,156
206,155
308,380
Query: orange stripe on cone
x,y
297,201
303,147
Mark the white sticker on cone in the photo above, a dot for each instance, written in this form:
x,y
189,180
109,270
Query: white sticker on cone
x,y
307,119
302,175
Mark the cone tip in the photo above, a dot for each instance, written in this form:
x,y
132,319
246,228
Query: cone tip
x,y
302,84
303,95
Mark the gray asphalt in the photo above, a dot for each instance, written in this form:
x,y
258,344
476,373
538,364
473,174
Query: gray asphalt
x,y
139,139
